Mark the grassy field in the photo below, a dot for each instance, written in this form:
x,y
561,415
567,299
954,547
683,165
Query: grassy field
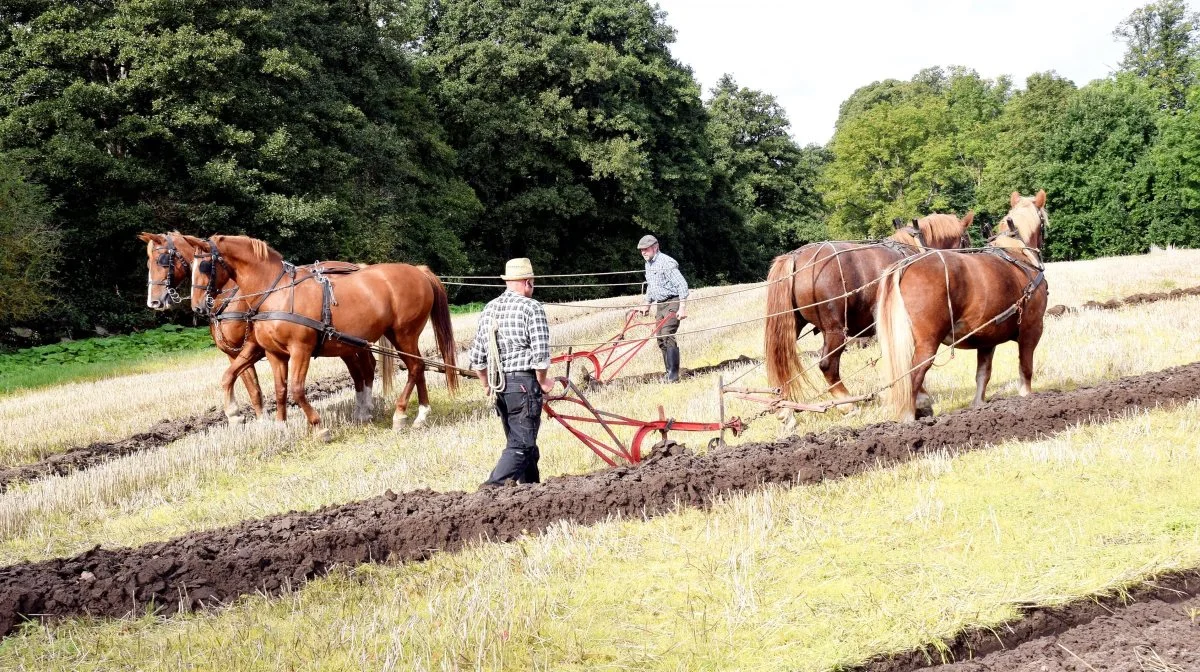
x,y
791,575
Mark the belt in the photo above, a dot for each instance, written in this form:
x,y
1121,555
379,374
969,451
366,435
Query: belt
x,y
672,297
520,374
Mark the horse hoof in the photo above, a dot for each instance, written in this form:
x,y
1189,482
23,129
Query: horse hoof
x,y
923,412
399,423
323,435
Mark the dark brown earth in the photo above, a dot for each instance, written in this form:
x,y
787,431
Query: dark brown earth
x,y
1134,300
264,555
1155,627
162,433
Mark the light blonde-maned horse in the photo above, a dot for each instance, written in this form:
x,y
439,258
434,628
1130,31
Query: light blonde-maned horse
x,y
392,301
833,286
978,300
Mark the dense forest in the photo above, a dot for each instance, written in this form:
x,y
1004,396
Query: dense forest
x,y
459,133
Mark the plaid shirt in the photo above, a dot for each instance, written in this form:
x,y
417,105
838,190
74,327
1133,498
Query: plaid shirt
x,y
663,279
524,334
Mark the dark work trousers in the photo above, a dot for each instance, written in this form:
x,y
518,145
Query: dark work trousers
x,y
520,409
666,335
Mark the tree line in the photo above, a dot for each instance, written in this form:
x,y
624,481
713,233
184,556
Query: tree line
x,y
460,133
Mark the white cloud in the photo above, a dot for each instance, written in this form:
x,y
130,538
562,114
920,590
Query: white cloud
x,y
812,56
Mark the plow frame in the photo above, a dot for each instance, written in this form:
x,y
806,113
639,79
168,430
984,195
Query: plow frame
x,y
607,360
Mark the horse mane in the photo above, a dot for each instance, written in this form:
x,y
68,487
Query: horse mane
x,y
941,231
258,248
904,237
1027,223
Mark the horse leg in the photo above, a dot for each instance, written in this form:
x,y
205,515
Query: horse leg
x,y
923,403
1027,342
831,362
299,373
237,369
400,416
249,378
417,371
983,373
366,364
279,369
352,365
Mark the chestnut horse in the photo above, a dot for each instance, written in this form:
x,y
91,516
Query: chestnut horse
x,y
966,300
299,314
169,258
169,261
832,286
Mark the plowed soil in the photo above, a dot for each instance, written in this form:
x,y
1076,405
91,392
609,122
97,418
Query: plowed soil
x,y
1134,300
1154,629
263,555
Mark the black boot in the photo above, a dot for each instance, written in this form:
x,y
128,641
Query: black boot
x,y
671,357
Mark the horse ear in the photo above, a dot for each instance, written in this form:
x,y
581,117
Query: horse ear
x,y
151,237
1012,200
916,223
967,219
987,230
897,223
196,242
1040,199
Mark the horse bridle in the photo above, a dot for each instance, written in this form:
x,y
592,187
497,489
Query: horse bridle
x,y
207,264
1013,232
167,259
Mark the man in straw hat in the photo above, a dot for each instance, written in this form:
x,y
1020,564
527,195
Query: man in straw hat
x,y
666,288
510,355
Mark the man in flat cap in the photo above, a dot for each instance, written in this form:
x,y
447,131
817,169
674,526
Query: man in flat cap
x,y
666,289
510,355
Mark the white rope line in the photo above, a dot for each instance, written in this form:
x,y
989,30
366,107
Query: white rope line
x,y
731,324
600,284
559,275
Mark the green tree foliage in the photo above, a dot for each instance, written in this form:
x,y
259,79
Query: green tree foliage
x,y
28,246
904,151
1161,45
1092,168
773,181
1174,169
574,125
289,119
1018,149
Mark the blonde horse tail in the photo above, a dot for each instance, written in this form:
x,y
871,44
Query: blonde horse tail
x,y
896,343
443,330
784,368
387,369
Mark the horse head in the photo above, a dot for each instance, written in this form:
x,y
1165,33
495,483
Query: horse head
x,y
167,261
217,263
1025,225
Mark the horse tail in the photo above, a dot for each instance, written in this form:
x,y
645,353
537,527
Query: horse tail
x,y
387,368
443,330
896,343
784,368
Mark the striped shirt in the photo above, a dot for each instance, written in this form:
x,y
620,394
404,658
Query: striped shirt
x,y
663,279
524,334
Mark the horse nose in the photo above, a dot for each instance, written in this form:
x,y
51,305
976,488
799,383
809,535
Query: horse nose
x,y
154,303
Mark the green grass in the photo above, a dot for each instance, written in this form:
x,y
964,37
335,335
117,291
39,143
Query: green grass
x,y
808,578
95,358
467,308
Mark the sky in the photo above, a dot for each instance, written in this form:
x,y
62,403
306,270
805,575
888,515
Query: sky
x,y
812,55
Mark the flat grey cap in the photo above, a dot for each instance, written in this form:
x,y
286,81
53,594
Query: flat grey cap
x,y
646,241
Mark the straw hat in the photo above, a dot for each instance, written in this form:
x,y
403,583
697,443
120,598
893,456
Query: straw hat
x,y
646,241
518,269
